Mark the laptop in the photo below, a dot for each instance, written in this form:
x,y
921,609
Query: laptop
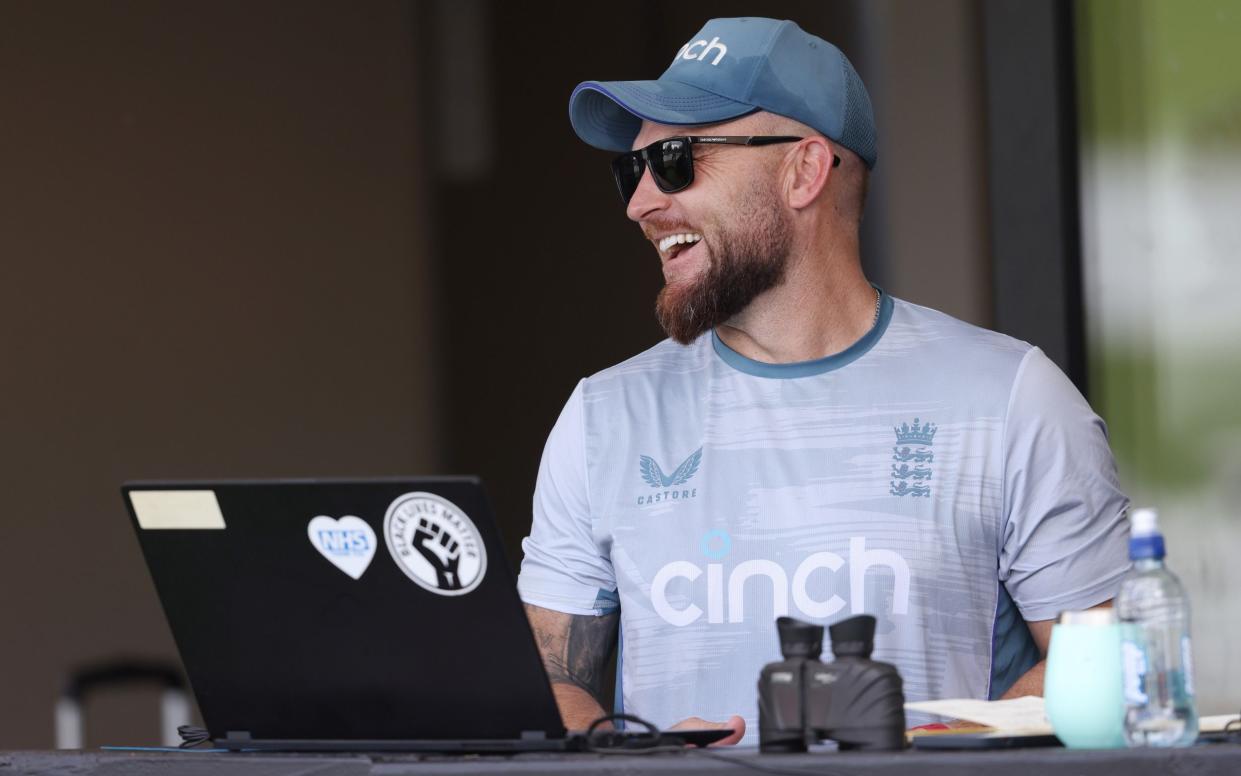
x,y
342,615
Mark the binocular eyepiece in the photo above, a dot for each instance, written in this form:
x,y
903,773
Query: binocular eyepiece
x,y
855,701
854,637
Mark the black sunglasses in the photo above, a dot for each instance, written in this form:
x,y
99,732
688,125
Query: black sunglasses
x,y
672,160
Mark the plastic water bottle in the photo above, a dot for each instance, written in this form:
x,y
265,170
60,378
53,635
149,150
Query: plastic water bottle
x,y
1157,660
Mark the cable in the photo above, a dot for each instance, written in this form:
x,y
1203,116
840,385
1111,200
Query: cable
x,y
655,741
615,742
192,736
1230,731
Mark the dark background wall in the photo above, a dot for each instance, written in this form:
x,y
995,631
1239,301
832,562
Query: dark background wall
x,y
211,234
328,237
546,279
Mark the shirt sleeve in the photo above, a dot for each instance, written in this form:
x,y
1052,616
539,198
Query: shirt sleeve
x,y
1065,535
563,567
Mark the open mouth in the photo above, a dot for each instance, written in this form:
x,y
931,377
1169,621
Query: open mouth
x,y
675,244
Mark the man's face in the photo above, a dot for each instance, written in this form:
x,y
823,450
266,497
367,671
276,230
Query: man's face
x,y
735,228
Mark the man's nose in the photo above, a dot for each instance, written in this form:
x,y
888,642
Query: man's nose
x,y
647,198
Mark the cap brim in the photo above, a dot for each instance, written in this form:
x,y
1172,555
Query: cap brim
x,y
609,114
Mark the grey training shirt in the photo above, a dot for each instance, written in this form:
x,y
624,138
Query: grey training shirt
x,y
946,479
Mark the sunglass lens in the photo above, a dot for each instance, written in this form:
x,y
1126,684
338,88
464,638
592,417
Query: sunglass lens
x,y
627,168
672,164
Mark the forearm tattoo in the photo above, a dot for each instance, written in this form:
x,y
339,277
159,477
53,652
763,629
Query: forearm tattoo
x,y
575,648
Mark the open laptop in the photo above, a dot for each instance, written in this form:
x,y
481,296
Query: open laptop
x,y
347,615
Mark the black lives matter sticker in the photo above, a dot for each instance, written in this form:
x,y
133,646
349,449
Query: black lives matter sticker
x,y
435,543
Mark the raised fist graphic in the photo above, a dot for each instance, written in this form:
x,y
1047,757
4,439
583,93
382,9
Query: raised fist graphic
x,y
441,550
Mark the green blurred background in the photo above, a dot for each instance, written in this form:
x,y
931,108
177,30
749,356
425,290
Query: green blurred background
x,y
1159,86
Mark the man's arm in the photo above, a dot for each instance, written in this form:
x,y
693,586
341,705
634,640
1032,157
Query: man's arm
x,y
1031,682
575,649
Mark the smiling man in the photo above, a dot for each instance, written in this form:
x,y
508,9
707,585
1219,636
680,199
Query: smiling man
x,y
803,443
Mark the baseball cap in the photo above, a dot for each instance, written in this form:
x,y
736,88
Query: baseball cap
x,y
730,68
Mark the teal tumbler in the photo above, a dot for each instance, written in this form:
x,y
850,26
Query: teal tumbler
x,y
1083,686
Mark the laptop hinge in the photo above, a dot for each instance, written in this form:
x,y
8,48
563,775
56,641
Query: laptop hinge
x,y
533,735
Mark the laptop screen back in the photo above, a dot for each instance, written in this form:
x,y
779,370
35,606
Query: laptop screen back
x,y
369,609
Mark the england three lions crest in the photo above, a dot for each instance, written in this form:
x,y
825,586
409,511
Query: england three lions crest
x,y
912,457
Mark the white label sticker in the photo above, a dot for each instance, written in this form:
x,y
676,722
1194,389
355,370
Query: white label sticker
x,y
1187,664
349,543
1133,664
435,543
176,509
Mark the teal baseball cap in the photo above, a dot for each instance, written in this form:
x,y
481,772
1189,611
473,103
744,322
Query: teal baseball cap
x,y
730,68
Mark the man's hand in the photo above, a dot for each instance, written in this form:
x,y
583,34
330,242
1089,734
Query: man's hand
x,y
737,724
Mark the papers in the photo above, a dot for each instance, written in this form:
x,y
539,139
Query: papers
x,y
1025,715
1016,716
1216,723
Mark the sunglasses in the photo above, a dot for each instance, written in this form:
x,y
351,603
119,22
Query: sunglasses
x,y
671,160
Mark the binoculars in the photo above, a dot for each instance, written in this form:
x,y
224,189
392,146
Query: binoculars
x,y
853,700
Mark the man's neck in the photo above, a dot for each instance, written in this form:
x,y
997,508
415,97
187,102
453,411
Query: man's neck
x,y
824,305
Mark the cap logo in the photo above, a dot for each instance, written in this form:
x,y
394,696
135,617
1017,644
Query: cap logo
x,y
689,50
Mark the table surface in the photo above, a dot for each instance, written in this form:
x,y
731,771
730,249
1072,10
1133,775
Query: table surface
x,y
1204,759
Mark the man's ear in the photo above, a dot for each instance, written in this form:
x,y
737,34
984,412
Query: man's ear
x,y
808,168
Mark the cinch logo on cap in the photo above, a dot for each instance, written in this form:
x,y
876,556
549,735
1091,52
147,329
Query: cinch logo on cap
x,y
689,50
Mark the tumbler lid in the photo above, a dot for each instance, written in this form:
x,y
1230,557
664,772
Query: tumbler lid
x,y
1105,616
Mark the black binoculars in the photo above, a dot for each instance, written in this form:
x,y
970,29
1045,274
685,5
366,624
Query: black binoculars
x,y
855,701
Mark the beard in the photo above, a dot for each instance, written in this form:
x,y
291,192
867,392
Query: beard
x,y
744,260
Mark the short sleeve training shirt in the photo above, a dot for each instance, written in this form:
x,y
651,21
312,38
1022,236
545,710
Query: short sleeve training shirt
x,y
946,479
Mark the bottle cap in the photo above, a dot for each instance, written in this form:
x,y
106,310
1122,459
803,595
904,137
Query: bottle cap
x,y
1144,522
1145,540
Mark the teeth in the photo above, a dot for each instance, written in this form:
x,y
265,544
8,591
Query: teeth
x,y
678,239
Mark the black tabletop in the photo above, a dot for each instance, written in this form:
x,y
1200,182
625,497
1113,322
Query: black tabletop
x,y
1203,759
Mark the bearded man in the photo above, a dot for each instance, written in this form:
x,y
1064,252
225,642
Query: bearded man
x,y
803,443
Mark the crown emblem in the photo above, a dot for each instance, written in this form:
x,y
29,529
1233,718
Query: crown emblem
x,y
916,434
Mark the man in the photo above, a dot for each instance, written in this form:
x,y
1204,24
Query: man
x,y
803,444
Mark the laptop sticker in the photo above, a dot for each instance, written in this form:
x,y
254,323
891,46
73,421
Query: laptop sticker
x,y
349,543
176,509
435,543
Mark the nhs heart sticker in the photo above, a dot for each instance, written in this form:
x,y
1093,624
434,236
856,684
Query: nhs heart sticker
x,y
349,543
